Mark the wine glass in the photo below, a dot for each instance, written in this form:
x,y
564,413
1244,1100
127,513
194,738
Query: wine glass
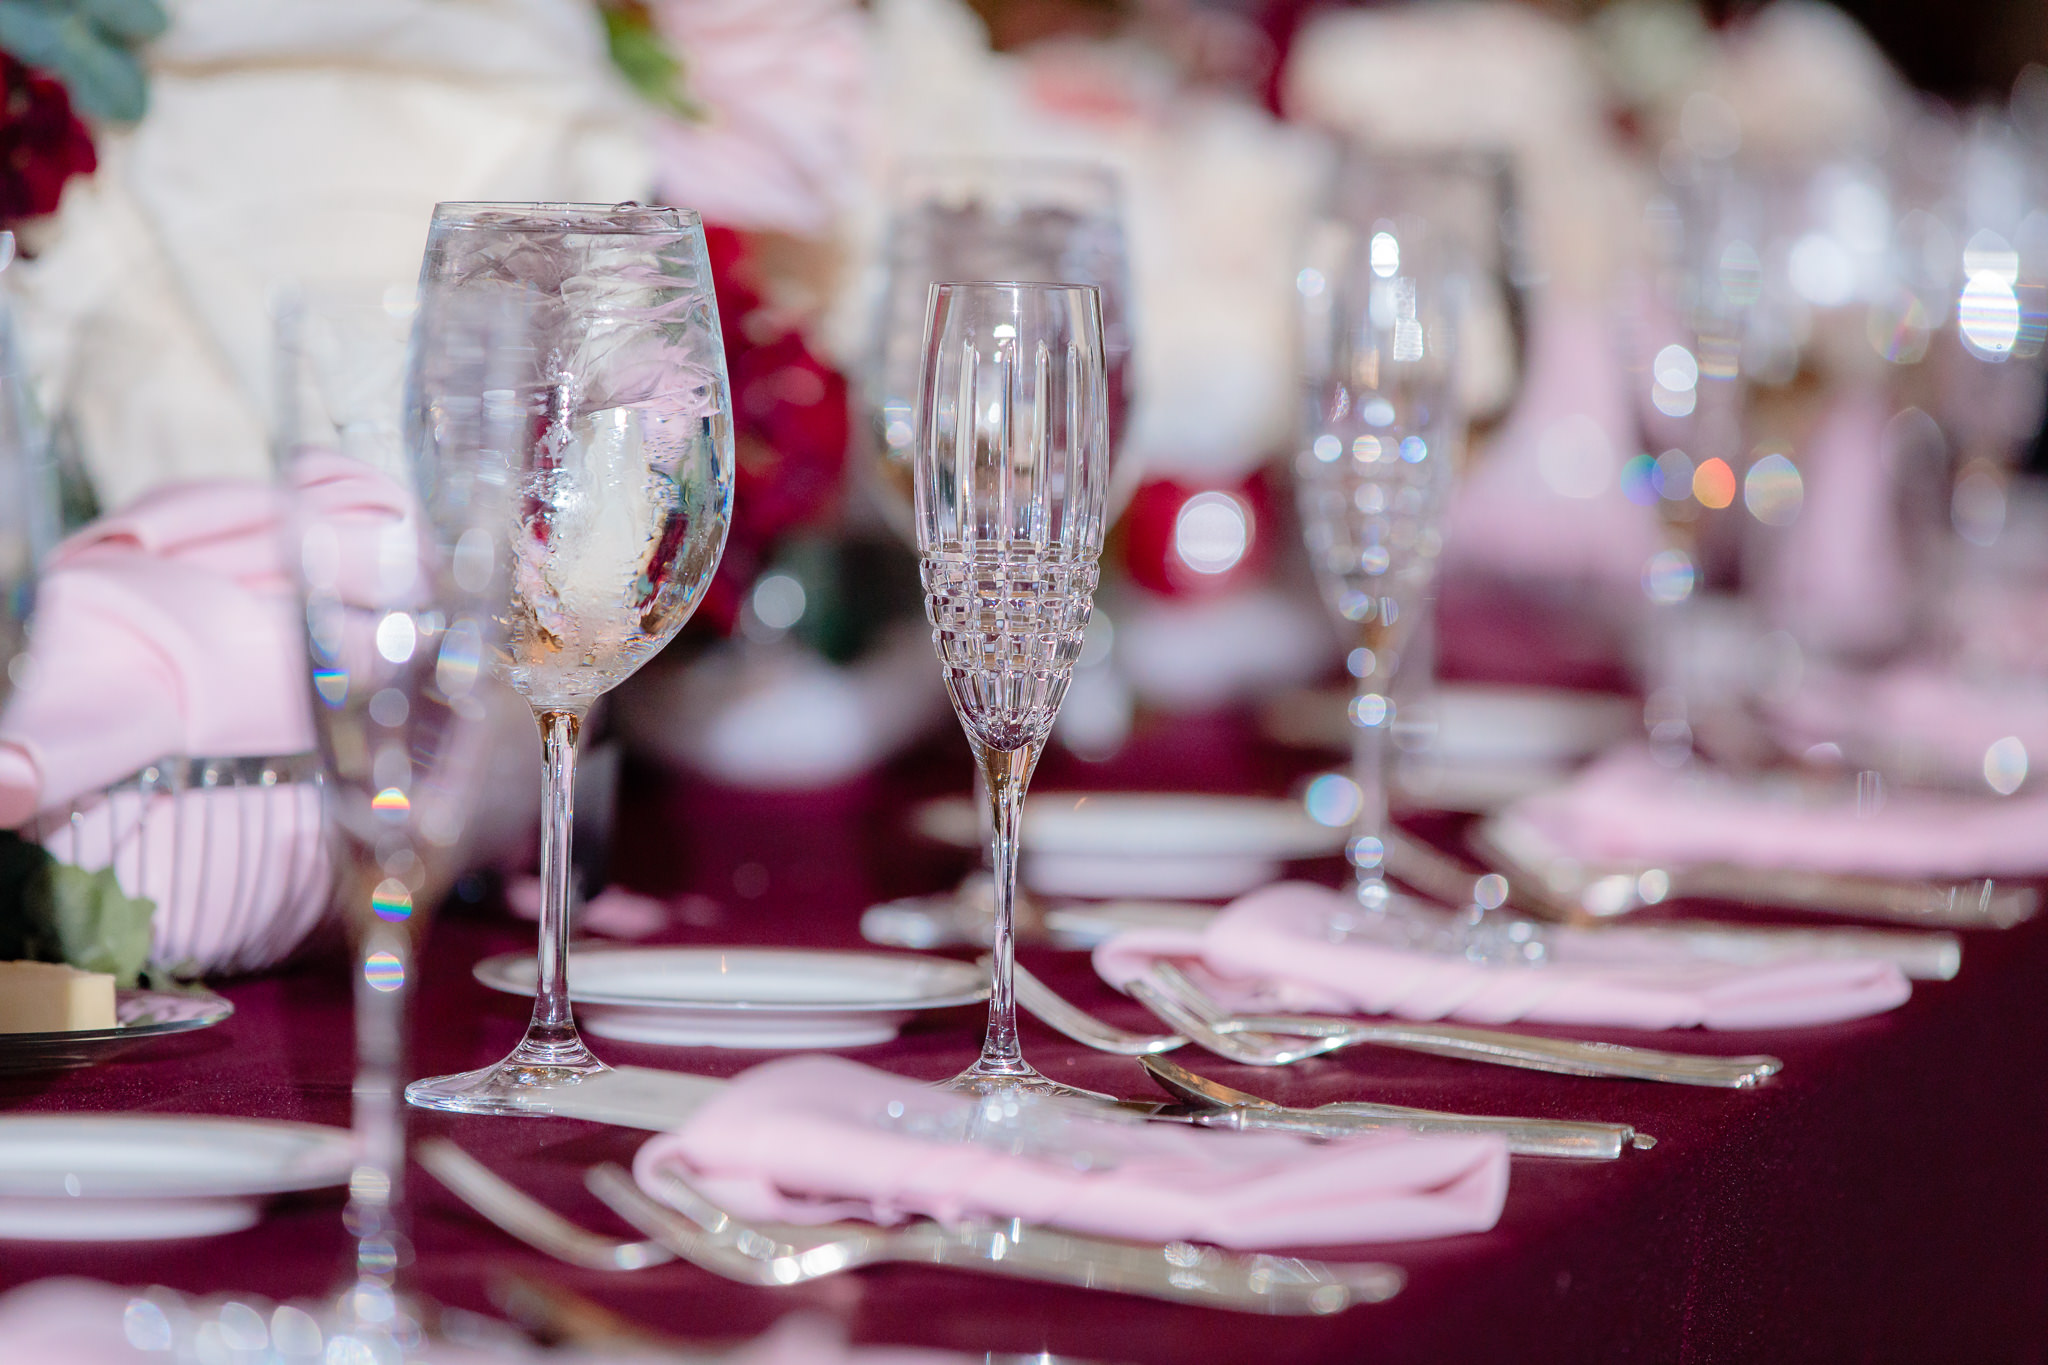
x,y
1011,465
399,575
1383,430
621,491
990,218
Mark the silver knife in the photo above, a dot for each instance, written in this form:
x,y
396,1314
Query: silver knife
x,y
1211,1104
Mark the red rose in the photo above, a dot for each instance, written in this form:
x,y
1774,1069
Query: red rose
x,y
42,143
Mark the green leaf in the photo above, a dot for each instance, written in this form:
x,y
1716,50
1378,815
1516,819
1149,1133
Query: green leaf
x,y
104,79
126,21
643,57
99,927
53,912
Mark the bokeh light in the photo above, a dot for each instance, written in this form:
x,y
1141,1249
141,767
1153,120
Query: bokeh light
x,y
383,971
1713,483
1332,800
1212,532
2005,765
1773,490
1668,577
1640,481
1988,315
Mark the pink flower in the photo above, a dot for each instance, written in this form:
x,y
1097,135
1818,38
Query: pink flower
x,y
779,84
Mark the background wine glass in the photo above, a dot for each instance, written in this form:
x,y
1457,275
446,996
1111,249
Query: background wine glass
x,y
400,579
1383,429
1012,456
990,218
621,473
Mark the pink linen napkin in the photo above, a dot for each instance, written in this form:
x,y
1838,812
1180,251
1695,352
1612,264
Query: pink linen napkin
x,y
813,1139
1919,713
1625,810
167,628
1274,949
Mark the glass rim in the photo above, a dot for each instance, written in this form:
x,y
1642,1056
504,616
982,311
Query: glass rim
x,y
1091,167
543,215
1036,286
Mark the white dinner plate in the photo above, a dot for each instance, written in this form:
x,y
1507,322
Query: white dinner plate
x,y
747,997
139,1177
1481,723
1172,844
1146,825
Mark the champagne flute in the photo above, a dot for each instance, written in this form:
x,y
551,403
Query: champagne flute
x,y
1011,464
621,478
399,577
1383,430
990,218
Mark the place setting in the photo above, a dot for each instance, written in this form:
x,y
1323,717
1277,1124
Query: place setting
x,y
1482,570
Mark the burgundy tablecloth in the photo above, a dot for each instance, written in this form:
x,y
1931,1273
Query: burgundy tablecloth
x,y
1885,1200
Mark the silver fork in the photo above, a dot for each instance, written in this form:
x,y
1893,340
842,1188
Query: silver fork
x,y
1054,1010
1257,1040
772,1254
516,1213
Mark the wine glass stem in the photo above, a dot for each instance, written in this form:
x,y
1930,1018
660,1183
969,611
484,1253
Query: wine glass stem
x,y
1372,723
1005,773
553,1023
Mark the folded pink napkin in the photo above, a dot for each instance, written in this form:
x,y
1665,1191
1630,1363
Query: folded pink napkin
x,y
167,628
1625,810
1275,949
812,1139
1922,715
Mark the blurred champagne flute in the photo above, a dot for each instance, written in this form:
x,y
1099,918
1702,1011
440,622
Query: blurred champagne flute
x,y
400,568
1383,427
620,473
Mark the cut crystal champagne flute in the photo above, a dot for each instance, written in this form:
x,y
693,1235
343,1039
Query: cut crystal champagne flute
x,y
621,493
1011,464
399,573
1372,478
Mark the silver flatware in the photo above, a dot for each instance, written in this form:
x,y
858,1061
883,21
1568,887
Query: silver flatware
x,y
515,1212
1215,1105
1553,887
1052,1009
774,1254
1263,1040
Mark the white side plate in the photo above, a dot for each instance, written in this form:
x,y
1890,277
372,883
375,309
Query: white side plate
x,y
135,1177
747,997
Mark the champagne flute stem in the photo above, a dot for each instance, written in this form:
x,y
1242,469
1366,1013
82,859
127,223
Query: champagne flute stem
x,y
554,1026
1005,773
1372,724
374,1215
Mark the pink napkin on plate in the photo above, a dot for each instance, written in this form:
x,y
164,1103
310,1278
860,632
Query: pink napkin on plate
x,y
167,628
1274,949
813,1139
1625,810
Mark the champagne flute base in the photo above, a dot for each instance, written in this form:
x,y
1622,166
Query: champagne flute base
x,y
520,1084
975,1081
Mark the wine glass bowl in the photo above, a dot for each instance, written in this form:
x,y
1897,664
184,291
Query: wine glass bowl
x,y
579,345
1011,474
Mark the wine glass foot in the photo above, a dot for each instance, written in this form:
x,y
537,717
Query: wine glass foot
x,y
975,1081
520,1084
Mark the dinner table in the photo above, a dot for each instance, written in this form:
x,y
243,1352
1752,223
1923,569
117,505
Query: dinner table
x,y
1885,1198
